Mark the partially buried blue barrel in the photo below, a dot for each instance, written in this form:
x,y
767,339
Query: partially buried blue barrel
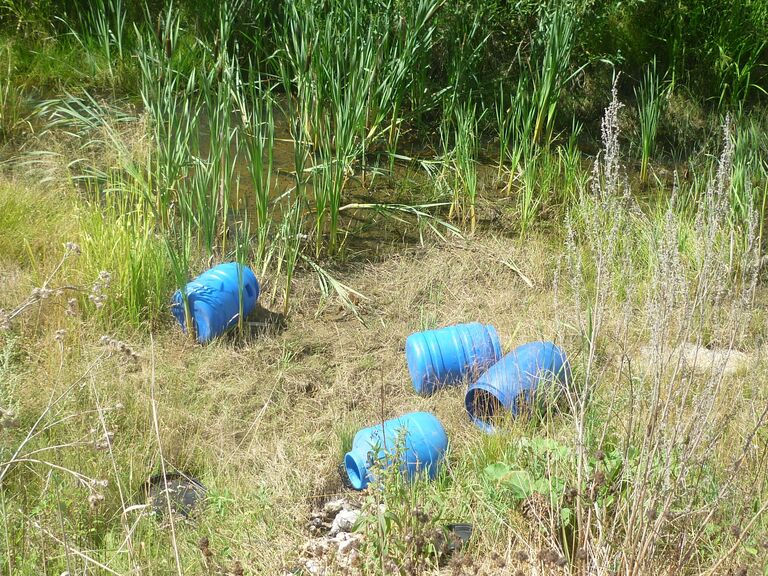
x,y
416,442
214,299
513,381
445,356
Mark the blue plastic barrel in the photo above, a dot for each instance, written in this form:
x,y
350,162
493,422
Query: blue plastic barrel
x,y
443,357
214,299
513,380
416,441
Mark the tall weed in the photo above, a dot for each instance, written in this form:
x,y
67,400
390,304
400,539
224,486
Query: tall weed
x,y
673,403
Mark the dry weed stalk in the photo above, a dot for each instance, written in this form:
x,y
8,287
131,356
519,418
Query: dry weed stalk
x,y
675,419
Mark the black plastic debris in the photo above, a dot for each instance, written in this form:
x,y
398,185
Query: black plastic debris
x,y
182,491
463,532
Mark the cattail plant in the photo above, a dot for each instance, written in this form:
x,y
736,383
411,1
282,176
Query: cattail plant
x,y
258,139
650,97
549,76
102,24
171,101
530,192
465,164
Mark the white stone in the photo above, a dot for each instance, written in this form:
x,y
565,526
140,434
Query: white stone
x,y
347,546
315,567
344,521
698,359
704,360
316,548
333,507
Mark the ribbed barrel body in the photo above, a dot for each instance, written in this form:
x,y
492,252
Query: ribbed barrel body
x,y
447,356
513,380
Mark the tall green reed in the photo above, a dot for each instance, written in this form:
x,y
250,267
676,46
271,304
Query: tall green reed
x,y
11,96
650,97
257,136
736,67
557,29
289,243
410,45
515,118
171,102
749,173
118,238
213,176
102,30
465,47
348,69
465,164
573,176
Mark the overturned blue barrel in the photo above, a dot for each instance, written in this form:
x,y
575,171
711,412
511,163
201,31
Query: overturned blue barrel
x,y
416,442
215,299
513,380
447,355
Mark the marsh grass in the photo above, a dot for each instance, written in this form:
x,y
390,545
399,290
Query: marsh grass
x,y
650,96
102,31
464,157
552,73
125,244
255,103
13,107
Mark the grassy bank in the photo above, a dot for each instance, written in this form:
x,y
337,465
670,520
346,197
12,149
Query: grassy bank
x,y
384,168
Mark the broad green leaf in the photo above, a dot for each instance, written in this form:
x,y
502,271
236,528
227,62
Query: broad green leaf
x,y
520,482
566,515
496,472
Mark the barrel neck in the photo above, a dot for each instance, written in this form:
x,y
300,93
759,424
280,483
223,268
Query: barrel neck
x,y
356,465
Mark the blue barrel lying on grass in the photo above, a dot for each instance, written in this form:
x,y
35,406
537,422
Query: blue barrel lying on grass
x,y
416,442
445,356
214,299
513,381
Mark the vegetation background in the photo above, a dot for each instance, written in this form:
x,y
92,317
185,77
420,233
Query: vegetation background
x,y
593,173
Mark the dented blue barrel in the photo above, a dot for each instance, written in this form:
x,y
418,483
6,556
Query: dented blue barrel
x,y
447,355
214,299
416,442
513,381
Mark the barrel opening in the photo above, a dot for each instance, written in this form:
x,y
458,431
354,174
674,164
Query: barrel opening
x,y
355,474
483,405
249,290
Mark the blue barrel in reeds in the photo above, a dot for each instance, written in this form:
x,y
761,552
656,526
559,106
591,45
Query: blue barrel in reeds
x,y
447,356
512,382
217,298
415,442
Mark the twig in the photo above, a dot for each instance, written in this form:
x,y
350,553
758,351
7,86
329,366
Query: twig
x,y
156,425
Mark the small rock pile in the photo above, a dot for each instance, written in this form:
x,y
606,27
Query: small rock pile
x,y
333,543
